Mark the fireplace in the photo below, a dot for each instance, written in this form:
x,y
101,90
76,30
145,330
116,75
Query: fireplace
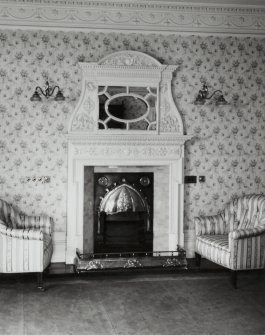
x,y
123,212
150,143
147,221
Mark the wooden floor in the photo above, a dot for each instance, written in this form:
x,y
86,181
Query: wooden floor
x,y
154,302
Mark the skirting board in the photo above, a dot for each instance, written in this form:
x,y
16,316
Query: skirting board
x,y
59,245
189,242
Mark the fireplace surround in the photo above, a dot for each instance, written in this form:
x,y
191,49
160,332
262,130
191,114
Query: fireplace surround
x,y
151,141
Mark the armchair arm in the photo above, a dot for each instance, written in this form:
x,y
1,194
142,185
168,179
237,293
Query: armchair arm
x,y
247,232
44,222
24,250
209,225
30,234
247,248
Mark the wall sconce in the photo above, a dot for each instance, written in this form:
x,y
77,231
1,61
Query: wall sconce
x,y
203,95
47,92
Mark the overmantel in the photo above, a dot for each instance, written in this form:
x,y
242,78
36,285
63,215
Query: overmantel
x,y
137,75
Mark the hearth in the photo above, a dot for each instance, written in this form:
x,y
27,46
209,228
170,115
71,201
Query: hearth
x,y
127,261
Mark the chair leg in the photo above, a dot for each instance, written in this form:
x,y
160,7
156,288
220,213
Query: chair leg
x,y
40,284
234,278
198,259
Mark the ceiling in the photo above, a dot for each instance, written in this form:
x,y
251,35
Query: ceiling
x,y
216,2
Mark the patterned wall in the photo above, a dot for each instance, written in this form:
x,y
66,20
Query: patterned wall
x,y
229,148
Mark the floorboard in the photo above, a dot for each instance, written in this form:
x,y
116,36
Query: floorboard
x,y
197,301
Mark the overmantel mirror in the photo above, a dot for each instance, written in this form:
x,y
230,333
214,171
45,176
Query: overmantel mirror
x,y
127,107
126,92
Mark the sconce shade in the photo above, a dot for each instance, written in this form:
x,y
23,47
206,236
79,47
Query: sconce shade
x,y
199,100
59,96
35,97
221,101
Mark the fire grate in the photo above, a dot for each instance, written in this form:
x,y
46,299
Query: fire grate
x,y
130,260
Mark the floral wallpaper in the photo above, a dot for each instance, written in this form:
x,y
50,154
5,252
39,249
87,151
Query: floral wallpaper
x,y
229,146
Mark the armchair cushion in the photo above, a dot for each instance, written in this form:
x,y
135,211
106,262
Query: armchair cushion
x,y
218,241
215,248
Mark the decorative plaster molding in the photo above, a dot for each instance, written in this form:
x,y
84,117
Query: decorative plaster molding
x,y
130,152
132,140
143,147
143,16
130,58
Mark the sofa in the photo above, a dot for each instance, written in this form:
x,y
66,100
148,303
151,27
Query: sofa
x,y
25,242
235,237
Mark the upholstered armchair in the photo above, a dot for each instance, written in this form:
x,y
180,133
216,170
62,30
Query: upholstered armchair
x,y
234,238
25,242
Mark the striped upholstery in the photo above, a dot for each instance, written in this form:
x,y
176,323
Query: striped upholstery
x,y
210,225
9,215
38,222
235,238
25,241
215,248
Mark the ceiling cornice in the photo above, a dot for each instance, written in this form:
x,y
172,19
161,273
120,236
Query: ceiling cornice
x,y
139,15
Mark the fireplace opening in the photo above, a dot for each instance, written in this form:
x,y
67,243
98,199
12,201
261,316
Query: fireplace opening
x,y
123,215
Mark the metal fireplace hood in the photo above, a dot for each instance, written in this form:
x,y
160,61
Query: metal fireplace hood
x,y
123,198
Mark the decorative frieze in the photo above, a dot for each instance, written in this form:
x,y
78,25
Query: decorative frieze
x,y
167,16
142,147
130,58
133,152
